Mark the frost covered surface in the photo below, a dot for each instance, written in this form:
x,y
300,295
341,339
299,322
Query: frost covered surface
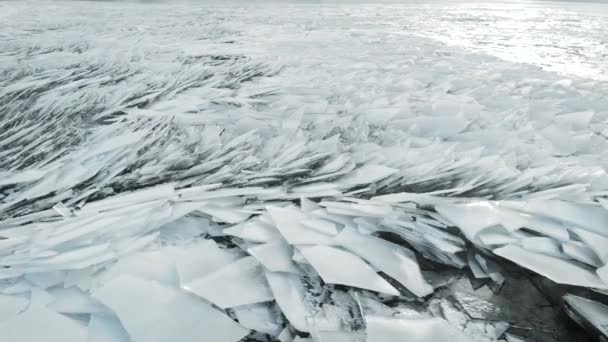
x,y
284,175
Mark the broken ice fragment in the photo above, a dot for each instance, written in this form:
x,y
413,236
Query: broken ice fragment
x,y
184,229
544,245
151,312
260,317
254,230
559,270
471,218
62,210
323,226
156,266
598,243
495,235
289,223
396,261
275,256
289,292
74,301
307,205
580,252
586,216
228,215
367,174
336,266
285,335
590,314
239,283
199,259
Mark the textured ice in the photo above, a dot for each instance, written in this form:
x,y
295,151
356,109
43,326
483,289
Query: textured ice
x,y
201,171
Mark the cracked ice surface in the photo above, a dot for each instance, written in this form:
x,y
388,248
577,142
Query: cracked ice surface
x,y
186,172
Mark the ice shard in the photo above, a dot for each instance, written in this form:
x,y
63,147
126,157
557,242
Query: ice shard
x,y
289,293
396,261
559,270
337,266
588,313
275,256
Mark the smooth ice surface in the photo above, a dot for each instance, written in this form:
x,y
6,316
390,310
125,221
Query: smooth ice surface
x,y
154,266
10,306
151,312
41,324
73,300
289,221
199,259
275,256
106,328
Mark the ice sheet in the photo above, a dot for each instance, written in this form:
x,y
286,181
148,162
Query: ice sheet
x,y
148,147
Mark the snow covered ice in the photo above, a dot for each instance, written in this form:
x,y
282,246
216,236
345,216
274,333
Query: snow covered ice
x,y
187,171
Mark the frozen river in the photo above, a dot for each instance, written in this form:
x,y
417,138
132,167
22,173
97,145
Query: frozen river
x,y
302,166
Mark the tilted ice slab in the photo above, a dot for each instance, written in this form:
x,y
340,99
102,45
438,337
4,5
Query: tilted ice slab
x,y
283,270
136,303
